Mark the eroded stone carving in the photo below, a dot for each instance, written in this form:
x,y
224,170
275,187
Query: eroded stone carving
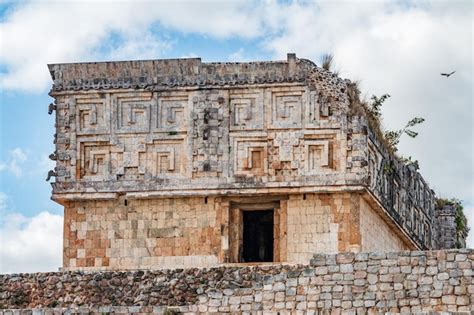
x,y
246,109
286,109
167,158
250,156
172,113
132,112
51,173
51,108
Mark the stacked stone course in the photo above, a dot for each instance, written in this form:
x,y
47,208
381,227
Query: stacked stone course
x,y
345,283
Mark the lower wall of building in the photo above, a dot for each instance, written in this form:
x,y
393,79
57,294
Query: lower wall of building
x,y
149,233
376,234
322,223
374,283
205,232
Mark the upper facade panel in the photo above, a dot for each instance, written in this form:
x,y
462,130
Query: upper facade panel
x,y
181,126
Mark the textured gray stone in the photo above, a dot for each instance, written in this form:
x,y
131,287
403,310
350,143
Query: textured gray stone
x,y
346,268
359,290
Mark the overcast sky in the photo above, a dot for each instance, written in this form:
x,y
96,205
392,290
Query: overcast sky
x,y
392,47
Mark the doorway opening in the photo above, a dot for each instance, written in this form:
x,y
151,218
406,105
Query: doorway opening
x,y
257,236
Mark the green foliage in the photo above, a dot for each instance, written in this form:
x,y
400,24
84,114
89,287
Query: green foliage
x,y
373,112
388,169
393,136
408,161
375,108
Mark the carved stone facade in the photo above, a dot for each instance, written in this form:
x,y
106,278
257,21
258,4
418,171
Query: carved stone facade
x,y
167,163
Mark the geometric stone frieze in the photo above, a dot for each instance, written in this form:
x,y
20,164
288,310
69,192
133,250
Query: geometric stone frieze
x,y
132,112
317,156
251,157
92,115
285,141
246,109
171,113
167,158
317,108
95,160
286,110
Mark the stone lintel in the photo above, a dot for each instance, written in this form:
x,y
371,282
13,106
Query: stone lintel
x,y
61,198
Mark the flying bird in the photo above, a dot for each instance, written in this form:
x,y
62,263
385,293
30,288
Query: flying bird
x,y
447,75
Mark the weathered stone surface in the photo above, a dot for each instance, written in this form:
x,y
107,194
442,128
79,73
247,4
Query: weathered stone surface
x,y
242,289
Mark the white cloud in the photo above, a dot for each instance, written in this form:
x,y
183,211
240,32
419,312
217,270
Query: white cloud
x,y
15,162
237,55
36,33
31,244
18,155
190,55
141,45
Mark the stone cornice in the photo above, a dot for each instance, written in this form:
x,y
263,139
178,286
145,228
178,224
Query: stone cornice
x,y
174,73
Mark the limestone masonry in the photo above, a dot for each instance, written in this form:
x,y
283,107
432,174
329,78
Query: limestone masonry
x,y
346,283
178,163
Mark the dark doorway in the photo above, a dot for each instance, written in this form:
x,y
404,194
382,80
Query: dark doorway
x,y
258,236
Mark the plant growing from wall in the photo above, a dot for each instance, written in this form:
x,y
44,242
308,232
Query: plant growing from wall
x,y
372,111
390,137
409,161
327,60
393,136
375,107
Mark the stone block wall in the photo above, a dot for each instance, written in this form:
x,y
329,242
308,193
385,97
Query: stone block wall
x,y
344,283
376,234
207,231
311,226
331,223
118,234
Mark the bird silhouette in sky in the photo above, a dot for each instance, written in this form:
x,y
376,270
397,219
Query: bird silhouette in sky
x,y
447,75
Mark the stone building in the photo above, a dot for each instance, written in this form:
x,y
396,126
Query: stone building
x,y
180,163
